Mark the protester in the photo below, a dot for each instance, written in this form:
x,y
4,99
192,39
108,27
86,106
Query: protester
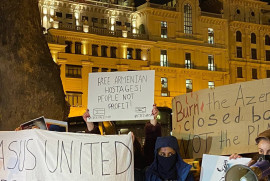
x,y
168,164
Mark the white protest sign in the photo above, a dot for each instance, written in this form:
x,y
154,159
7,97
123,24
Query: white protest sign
x,y
215,167
223,120
121,95
32,155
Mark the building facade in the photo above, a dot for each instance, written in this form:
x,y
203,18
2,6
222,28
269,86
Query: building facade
x,y
190,45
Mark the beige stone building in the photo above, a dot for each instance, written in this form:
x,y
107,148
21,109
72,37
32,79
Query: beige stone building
x,y
190,45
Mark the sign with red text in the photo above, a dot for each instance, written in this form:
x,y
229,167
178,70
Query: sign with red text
x,y
31,155
114,96
223,120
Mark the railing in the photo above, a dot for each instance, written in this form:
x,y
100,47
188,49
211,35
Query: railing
x,y
214,15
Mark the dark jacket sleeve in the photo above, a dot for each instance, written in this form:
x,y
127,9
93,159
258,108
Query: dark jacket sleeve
x,y
94,131
190,177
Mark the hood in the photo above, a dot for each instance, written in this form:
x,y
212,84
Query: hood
x,y
182,167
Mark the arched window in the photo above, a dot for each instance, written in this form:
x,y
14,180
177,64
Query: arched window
x,y
187,19
238,36
253,38
267,40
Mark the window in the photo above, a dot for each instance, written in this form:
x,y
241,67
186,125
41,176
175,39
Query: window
x,y
58,14
238,11
188,64
129,53
163,29
113,52
127,24
74,98
94,50
84,18
78,48
104,51
113,70
73,71
95,22
68,47
104,70
267,73
163,58
138,54
238,36
210,36
95,69
267,55
104,21
69,16
267,40
187,19
253,38
211,85
254,53
239,52
164,87
188,85
211,63
239,72
254,74
118,23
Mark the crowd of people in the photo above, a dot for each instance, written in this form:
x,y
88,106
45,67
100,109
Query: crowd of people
x,y
160,160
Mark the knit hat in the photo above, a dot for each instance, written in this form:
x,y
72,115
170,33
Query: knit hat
x,y
265,135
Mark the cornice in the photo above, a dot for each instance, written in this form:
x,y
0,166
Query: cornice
x,y
211,20
158,12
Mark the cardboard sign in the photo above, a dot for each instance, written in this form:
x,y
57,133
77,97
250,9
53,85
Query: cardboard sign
x,y
121,95
31,155
223,120
215,167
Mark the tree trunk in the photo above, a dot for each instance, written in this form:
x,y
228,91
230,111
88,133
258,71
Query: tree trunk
x,y
30,84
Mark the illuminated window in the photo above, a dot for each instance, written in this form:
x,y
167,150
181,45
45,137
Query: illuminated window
x,y
253,38
104,51
78,48
138,54
163,29
210,36
94,50
267,40
239,52
239,72
113,52
163,58
104,70
254,53
238,36
211,63
84,18
164,87
68,47
187,19
211,84
129,53
254,74
74,71
188,64
74,98
188,85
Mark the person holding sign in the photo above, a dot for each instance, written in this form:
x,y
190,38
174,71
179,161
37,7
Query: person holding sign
x,y
168,164
263,142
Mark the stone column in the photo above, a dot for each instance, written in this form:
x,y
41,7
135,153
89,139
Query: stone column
x,y
86,69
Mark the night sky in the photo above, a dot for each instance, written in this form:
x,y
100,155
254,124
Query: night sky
x,y
140,2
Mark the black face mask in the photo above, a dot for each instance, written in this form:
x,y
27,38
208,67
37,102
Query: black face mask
x,y
167,166
264,157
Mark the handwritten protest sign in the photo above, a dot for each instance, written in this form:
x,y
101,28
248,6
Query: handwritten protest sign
x,y
121,95
215,167
47,155
223,120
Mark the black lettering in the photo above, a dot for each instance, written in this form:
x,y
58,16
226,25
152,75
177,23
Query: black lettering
x,y
63,151
251,129
91,154
15,154
212,119
240,96
225,117
258,117
22,148
250,101
200,123
3,155
264,115
102,159
129,151
199,147
236,141
223,102
237,118
186,129
32,155
52,171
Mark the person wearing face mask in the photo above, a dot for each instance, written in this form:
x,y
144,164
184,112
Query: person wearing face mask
x,y
263,143
168,164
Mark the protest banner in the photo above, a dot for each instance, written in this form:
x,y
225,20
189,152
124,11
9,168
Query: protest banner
x,y
215,167
223,120
121,95
31,155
